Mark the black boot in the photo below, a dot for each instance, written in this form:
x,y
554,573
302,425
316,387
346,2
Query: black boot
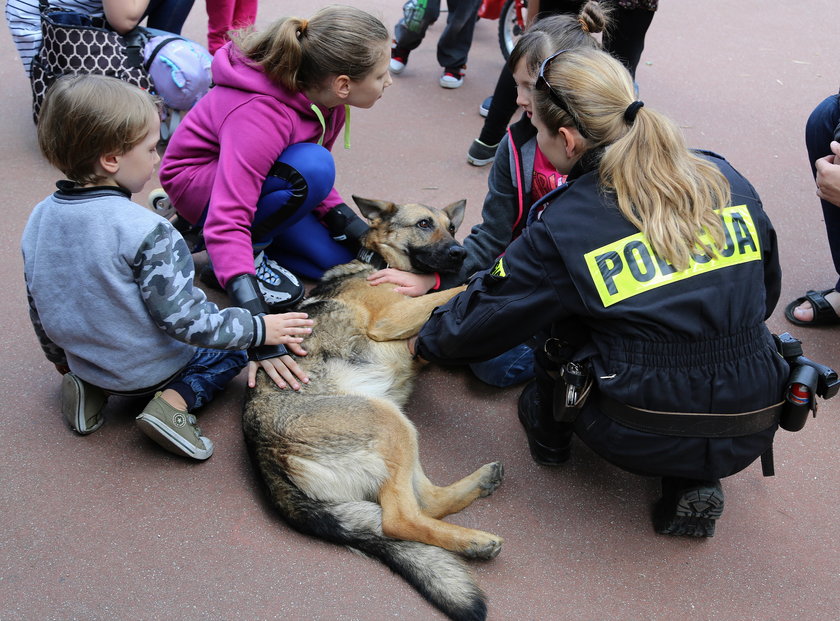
x,y
550,442
688,507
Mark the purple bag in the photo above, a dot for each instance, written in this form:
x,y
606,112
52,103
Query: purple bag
x,y
179,68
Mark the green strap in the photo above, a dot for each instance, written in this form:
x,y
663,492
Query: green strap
x,y
323,122
320,116
346,126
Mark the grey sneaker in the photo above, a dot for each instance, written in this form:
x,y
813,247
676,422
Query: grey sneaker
x,y
481,154
175,430
82,404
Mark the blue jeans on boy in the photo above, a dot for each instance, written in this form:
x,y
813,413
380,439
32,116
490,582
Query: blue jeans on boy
x,y
819,132
208,372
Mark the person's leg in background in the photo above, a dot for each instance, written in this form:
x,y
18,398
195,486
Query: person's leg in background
x,y
819,132
418,15
224,16
625,38
456,39
168,15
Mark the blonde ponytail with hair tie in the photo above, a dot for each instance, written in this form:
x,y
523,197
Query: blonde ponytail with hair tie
x,y
304,24
583,25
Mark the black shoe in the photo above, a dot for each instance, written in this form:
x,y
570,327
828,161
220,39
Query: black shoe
x,y
688,508
530,412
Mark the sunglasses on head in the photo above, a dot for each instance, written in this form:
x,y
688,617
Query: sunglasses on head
x,y
542,85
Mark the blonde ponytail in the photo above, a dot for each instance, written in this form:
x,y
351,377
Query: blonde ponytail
x,y
662,188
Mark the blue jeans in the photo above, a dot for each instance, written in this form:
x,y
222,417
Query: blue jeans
x,y
457,36
208,372
514,366
819,132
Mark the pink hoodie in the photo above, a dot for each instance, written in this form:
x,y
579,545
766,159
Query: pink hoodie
x,y
222,151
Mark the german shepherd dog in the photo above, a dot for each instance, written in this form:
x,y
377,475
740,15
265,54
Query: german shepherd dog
x,y
339,458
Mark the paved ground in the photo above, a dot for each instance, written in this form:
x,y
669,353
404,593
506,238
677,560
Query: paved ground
x,y
110,527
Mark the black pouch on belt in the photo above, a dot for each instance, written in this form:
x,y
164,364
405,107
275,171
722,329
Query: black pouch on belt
x,y
571,390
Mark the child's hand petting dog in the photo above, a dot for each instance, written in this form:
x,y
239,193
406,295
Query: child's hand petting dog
x,y
283,370
283,329
407,283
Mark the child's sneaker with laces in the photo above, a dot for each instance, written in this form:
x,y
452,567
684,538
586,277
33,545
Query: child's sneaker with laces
x,y
453,77
481,154
280,288
174,429
399,59
82,404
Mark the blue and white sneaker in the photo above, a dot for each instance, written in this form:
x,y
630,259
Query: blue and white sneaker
x,y
280,288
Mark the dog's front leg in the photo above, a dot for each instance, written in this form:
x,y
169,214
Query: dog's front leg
x,y
404,318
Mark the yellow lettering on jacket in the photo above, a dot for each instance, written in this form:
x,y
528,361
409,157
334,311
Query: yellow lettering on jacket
x,y
629,266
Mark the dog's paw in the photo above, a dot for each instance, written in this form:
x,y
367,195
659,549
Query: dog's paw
x,y
485,549
491,479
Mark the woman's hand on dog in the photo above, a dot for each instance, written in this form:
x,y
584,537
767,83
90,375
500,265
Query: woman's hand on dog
x,y
407,283
283,370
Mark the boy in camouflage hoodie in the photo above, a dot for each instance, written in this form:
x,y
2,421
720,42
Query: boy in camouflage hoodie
x,y
110,284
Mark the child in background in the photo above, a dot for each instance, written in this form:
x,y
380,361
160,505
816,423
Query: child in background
x,y
520,176
226,15
110,284
250,165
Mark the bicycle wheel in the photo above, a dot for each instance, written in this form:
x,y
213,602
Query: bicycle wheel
x,y
511,24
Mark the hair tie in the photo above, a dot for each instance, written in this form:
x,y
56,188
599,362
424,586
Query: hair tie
x,y
631,111
304,24
583,25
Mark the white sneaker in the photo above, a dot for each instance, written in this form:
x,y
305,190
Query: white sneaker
x,y
397,65
453,77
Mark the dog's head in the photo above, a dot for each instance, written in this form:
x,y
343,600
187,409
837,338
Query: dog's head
x,y
414,237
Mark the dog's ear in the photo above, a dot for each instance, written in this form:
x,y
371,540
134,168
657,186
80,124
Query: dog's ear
x,y
455,211
372,209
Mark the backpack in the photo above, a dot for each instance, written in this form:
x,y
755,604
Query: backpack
x,y
179,68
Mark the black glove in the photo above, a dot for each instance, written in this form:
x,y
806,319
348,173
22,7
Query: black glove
x,y
244,291
345,226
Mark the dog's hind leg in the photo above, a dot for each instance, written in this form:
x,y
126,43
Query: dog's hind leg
x,y
438,502
402,516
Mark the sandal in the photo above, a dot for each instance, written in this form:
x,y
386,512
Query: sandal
x,y
824,313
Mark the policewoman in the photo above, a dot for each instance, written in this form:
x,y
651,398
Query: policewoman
x,y
652,272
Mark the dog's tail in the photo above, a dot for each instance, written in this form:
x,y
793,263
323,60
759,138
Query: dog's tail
x,y
439,575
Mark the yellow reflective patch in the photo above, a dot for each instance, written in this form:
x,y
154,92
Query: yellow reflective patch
x,y
628,266
499,269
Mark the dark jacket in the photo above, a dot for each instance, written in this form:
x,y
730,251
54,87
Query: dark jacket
x,y
691,341
506,204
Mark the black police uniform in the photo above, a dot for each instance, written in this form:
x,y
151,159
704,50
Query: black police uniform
x,y
689,341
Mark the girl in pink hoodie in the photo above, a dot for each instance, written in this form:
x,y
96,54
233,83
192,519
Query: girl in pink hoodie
x,y
250,164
